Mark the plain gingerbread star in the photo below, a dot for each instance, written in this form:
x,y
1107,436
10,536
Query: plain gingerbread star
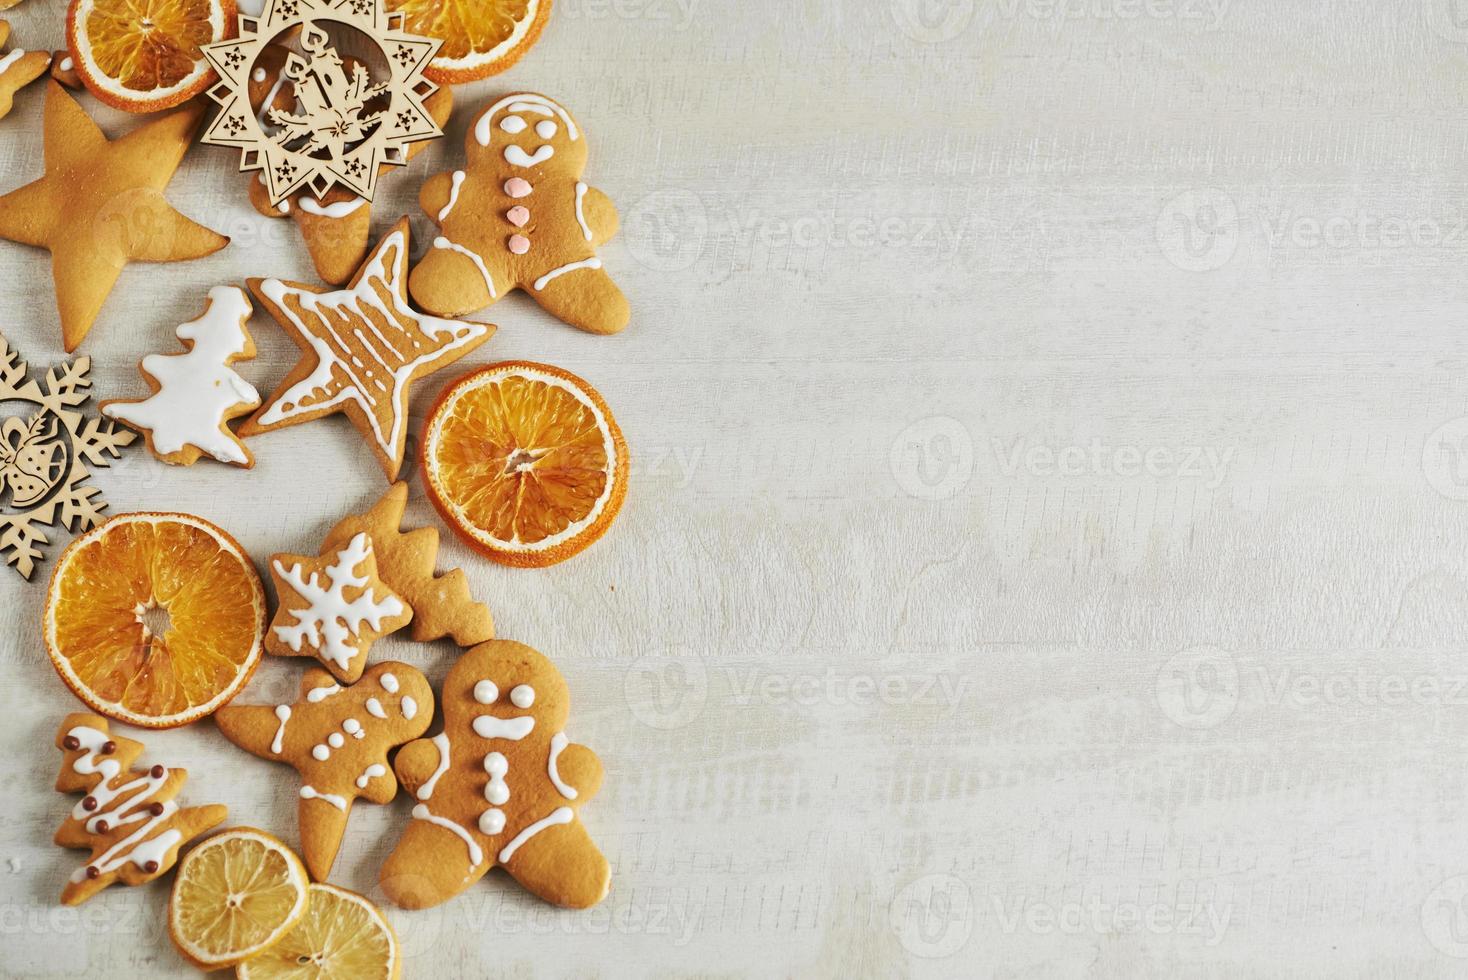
x,y
337,738
333,607
362,347
100,205
500,786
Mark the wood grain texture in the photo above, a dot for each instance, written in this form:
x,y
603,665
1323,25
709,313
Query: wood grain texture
x,y
1047,547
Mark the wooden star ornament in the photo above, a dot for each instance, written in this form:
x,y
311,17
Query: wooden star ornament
x,y
362,348
100,205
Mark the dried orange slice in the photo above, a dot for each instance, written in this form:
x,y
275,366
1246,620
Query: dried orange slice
x,y
155,619
480,37
342,936
236,895
143,55
526,462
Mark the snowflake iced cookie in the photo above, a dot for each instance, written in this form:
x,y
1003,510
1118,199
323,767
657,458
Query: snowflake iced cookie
x,y
337,738
128,817
44,456
333,607
441,604
500,786
362,347
100,205
196,393
519,217
336,225
17,68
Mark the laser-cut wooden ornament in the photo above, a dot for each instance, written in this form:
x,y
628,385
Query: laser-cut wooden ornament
x,y
344,124
44,453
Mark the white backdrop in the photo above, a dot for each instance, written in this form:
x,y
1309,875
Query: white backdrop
x,y
1047,550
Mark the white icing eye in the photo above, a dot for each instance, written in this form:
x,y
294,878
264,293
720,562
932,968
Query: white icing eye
x,y
485,692
523,696
512,125
545,129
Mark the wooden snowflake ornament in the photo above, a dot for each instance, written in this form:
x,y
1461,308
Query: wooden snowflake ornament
x,y
44,453
343,124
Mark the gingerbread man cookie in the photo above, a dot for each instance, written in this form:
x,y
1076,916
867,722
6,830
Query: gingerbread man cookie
x,y
18,68
500,786
337,739
333,607
128,817
520,217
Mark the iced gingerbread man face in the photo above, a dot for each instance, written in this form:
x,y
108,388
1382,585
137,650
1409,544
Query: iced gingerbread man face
x,y
519,216
500,785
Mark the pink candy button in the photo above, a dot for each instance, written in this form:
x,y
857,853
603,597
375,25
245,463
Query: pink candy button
x,y
519,244
518,215
518,187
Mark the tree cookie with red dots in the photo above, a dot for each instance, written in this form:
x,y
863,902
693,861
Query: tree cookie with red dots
x,y
501,785
520,217
337,738
128,817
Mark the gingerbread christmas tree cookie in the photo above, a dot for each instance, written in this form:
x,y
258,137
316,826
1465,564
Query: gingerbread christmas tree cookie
x,y
501,785
441,604
362,347
196,393
333,607
519,216
128,817
100,205
337,738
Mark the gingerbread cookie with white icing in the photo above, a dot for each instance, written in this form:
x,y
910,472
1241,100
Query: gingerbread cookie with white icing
x,y
128,817
333,607
519,216
501,785
337,738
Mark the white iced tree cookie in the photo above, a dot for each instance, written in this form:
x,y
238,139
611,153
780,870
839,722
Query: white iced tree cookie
x,y
333,608
196,393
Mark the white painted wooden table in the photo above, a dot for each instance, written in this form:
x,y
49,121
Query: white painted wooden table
x,y
1047,553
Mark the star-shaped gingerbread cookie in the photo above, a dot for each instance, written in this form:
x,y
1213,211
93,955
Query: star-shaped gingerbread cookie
x,y
333,607
17,68
100,205
337,739
362,347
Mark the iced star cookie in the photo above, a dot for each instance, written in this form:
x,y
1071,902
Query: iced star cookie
x,y
333,607
128,817
196,393
337,739
335,226
362,347
100,205
441,604
520,217
18,69
500,786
